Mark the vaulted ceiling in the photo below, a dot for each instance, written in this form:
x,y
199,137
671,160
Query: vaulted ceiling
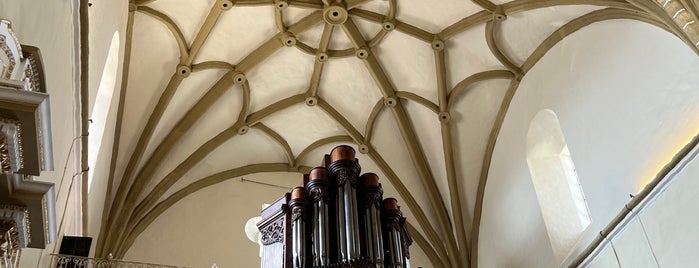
x,y
218,89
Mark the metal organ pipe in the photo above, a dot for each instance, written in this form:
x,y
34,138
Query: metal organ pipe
x,y
372,194
342,226
298,226
345,170
318,188
405,240
338,219
392,238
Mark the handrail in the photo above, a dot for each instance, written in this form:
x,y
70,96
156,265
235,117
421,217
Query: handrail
x,y
65,261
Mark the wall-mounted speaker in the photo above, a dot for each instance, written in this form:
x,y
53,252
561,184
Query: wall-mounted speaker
x,y
75,246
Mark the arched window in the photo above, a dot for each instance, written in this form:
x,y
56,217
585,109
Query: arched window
x,y
102,105
555,180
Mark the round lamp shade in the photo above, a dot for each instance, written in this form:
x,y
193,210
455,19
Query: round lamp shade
x,y
251,229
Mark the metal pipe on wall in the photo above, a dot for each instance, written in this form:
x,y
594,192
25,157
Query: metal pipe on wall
x,y
649,193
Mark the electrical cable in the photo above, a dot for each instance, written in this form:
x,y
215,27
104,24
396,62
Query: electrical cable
x,y
65,206
265,184
65,167
616,255
648,241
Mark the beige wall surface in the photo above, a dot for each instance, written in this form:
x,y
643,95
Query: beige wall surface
x,y
207,227
107,22
49,25
627,99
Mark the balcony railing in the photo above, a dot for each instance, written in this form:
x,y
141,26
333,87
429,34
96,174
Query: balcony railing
x,y
68,261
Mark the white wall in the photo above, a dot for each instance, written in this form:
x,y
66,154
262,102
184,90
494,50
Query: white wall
x,y
627,97
49,25
665,230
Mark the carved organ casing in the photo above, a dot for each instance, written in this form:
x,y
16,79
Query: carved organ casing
x,y
337,218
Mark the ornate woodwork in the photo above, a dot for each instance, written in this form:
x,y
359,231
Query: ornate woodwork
x,y
9,243
337,218
274,231
27,209
24,106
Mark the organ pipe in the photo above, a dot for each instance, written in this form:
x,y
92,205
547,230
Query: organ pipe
x,y
392,228
319,186
298,227
372,194
337,218
345,169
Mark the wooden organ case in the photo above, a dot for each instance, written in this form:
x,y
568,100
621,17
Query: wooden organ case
x,y
336,219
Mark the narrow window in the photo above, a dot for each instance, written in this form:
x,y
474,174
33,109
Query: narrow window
x,y
103,100
555,180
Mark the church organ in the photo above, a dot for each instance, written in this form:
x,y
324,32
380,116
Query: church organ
x,y
337,218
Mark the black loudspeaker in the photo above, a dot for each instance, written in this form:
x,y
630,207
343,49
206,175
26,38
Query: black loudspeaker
x,y
75,246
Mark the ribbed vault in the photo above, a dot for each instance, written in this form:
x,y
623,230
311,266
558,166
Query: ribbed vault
x,y
219,89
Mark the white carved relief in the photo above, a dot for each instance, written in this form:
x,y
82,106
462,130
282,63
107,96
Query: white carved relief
x,y
11,159
17,63
22,85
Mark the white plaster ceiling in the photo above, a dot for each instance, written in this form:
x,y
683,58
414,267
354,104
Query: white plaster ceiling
x,y
406,144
